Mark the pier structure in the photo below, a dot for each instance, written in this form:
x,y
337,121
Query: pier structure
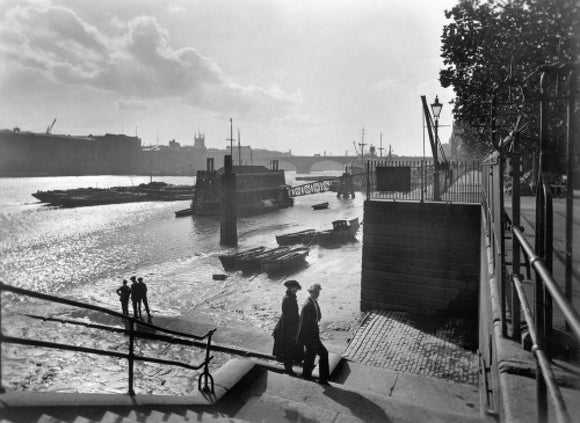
x,y
228,221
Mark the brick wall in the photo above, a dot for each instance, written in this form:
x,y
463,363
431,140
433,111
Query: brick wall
x,y
421,257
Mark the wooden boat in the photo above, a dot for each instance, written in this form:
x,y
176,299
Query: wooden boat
x,y
293,259
320,206
184,212
229,261
301,237
252,263
343,230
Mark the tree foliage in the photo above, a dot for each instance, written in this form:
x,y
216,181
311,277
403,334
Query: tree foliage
x,y
492,47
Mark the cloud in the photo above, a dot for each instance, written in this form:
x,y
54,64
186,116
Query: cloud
x,y
131,105
137,61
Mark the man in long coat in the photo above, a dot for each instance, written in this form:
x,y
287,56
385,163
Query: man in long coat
x,y
285,348
309,336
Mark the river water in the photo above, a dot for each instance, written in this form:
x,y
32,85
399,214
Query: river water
x,y
84,253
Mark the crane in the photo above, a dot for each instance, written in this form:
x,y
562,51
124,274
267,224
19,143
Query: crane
x,y
49,127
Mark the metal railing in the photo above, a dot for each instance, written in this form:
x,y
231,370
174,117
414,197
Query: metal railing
x,y
457,181
506,272
172,337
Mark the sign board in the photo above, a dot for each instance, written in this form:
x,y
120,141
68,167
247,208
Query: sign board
x,y
394,178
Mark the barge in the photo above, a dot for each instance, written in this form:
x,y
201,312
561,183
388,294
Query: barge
x,y
78,197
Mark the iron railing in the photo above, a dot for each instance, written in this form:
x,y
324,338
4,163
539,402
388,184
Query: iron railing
x,y
506,272
459,182
131,329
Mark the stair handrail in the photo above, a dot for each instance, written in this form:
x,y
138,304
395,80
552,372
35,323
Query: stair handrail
x,y
204,377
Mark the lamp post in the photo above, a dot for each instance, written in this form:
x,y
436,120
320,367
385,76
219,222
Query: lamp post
x,y
436,109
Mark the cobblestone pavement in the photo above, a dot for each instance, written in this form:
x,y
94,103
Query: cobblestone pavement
x,y
425,345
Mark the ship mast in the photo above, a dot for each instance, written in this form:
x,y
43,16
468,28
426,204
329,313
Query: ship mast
x,y
362,146
231,138
239,149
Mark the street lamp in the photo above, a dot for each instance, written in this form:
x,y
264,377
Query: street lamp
x,y
436,109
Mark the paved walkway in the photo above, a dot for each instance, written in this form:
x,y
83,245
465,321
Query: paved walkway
x,y
424,345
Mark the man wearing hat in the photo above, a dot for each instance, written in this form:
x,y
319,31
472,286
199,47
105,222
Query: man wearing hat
x,y
136,297
143,294
309,336
285,348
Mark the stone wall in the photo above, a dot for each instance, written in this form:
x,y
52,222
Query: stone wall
x,y
421,257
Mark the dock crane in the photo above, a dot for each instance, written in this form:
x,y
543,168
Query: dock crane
x,y
49,127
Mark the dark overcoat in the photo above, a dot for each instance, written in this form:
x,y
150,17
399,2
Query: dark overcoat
x,y
287,327
308,332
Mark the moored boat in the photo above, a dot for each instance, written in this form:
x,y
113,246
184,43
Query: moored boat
x,y
343,230
253,263
184,212
301,237
78,197
292,260
320,206
229,261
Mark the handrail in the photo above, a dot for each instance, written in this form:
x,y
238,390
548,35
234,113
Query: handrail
x,y
47,297
572,317
59,346
543,361
547,386
204,377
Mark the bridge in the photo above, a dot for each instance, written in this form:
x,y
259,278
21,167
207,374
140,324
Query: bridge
x,y
303,164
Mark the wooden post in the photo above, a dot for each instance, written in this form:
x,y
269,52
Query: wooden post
x,y
228,223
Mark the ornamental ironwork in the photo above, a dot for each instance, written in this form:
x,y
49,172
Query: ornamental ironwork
x,y
310,188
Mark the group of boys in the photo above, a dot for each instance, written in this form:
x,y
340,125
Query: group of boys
x,y
137,293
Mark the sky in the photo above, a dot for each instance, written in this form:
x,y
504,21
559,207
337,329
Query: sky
x,y
294,75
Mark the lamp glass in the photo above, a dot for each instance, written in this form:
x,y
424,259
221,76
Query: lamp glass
x,y
436,108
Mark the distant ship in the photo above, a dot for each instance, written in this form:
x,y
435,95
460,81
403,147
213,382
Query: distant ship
x,y
258,189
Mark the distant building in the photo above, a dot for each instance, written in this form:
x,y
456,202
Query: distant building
x,y
173,159
38,154
24,153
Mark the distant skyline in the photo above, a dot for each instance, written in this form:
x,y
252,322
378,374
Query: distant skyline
x,y
296,75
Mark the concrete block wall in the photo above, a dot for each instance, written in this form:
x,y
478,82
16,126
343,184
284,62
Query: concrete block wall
x,y
421,257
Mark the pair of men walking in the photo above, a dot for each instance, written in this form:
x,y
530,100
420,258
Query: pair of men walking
x,y
297,337
137,292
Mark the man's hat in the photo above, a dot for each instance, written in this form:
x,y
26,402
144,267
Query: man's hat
x,y
139,279
292,284
133,278
315,287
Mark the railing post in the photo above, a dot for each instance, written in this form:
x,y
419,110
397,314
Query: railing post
x,y
515,302
541,391
421,178
205,376
570,141
498,221
131,353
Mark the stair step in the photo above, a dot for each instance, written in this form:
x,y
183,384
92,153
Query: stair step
x,y
81,419
110,417
432,392
45,418
217,417
276,397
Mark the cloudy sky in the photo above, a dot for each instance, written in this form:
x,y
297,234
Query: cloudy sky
x,y
299,75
